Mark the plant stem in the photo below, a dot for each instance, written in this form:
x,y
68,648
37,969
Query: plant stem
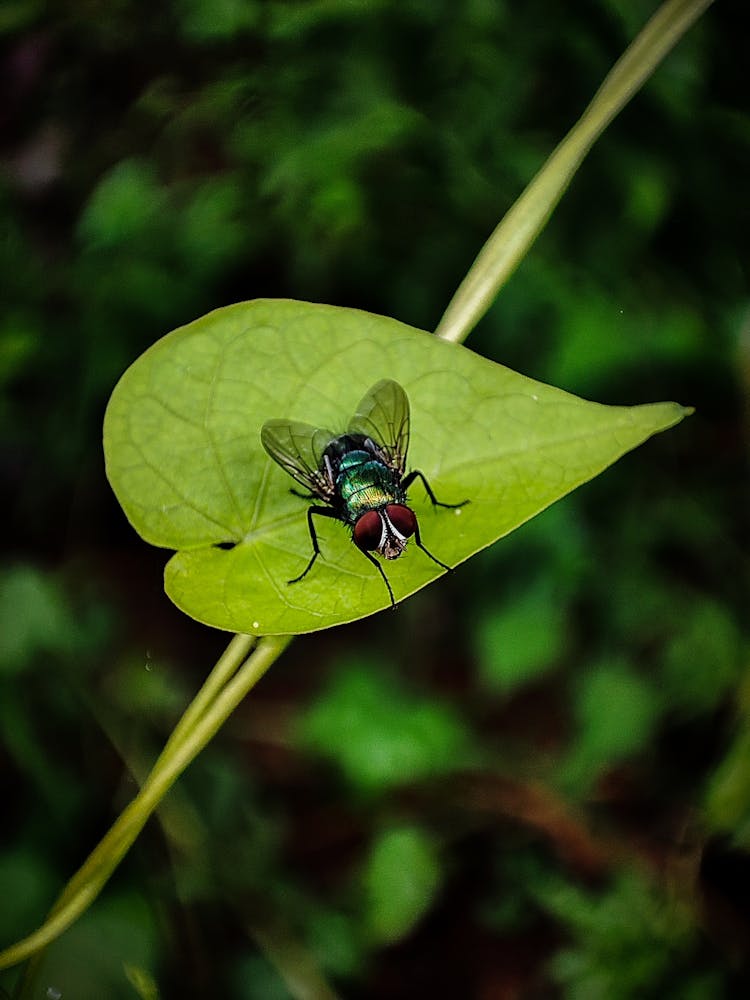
x,y
228,663
88,881
526,218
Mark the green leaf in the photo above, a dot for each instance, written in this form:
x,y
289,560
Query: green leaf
x,y
521,641
381,736
401,877
216,19
183,454
623,941
33,618
96,957
125,205
28,882
617,712
703,660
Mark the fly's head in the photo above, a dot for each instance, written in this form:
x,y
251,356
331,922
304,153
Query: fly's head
x,y
385,531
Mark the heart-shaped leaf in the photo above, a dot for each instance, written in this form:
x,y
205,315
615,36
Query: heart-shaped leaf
x,y
184,457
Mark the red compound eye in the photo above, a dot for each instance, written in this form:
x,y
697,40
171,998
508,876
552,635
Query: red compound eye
x,y
402,518
368,531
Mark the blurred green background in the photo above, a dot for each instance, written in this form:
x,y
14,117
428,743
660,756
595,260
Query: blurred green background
x,y
534,779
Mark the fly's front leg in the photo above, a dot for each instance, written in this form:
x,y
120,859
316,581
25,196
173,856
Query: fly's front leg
x,y
406,483
418,539
323,512
380,570
408,480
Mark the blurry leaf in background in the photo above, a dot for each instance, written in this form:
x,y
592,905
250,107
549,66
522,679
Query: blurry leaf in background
x,y
378,734
124,208
206,20
334,939
34,618
703,659
727,795
39,638
27,881
90,959
17,14
511,905
637,336
233,836
150,244
19,338
253,977
642,606
522,639
315,180
727,800
401,877
212,231
25,733
616,711
649,191
147,689
550,550
627,943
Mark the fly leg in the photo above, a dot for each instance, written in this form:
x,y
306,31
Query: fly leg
x,y
406,483
418,538
408,480
327,512
323,512
380,570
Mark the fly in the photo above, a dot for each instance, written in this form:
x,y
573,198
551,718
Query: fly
x,y
359,477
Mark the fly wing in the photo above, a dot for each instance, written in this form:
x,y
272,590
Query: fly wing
x,y
383,416
298,449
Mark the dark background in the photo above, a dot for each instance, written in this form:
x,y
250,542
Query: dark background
x,y
534,780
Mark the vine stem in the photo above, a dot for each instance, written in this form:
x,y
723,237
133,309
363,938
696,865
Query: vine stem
x,y
234,675
526,218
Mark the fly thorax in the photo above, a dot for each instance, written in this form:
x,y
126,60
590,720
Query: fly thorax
x,y
362,484
352,461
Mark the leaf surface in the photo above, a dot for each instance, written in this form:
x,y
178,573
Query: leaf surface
x,y
183,455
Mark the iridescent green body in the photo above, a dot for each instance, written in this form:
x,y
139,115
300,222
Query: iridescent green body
x,y
362,481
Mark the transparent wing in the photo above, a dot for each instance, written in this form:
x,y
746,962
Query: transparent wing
x,y
383,415
298,449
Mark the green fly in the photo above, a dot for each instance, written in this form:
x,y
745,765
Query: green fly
x,y
359,476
